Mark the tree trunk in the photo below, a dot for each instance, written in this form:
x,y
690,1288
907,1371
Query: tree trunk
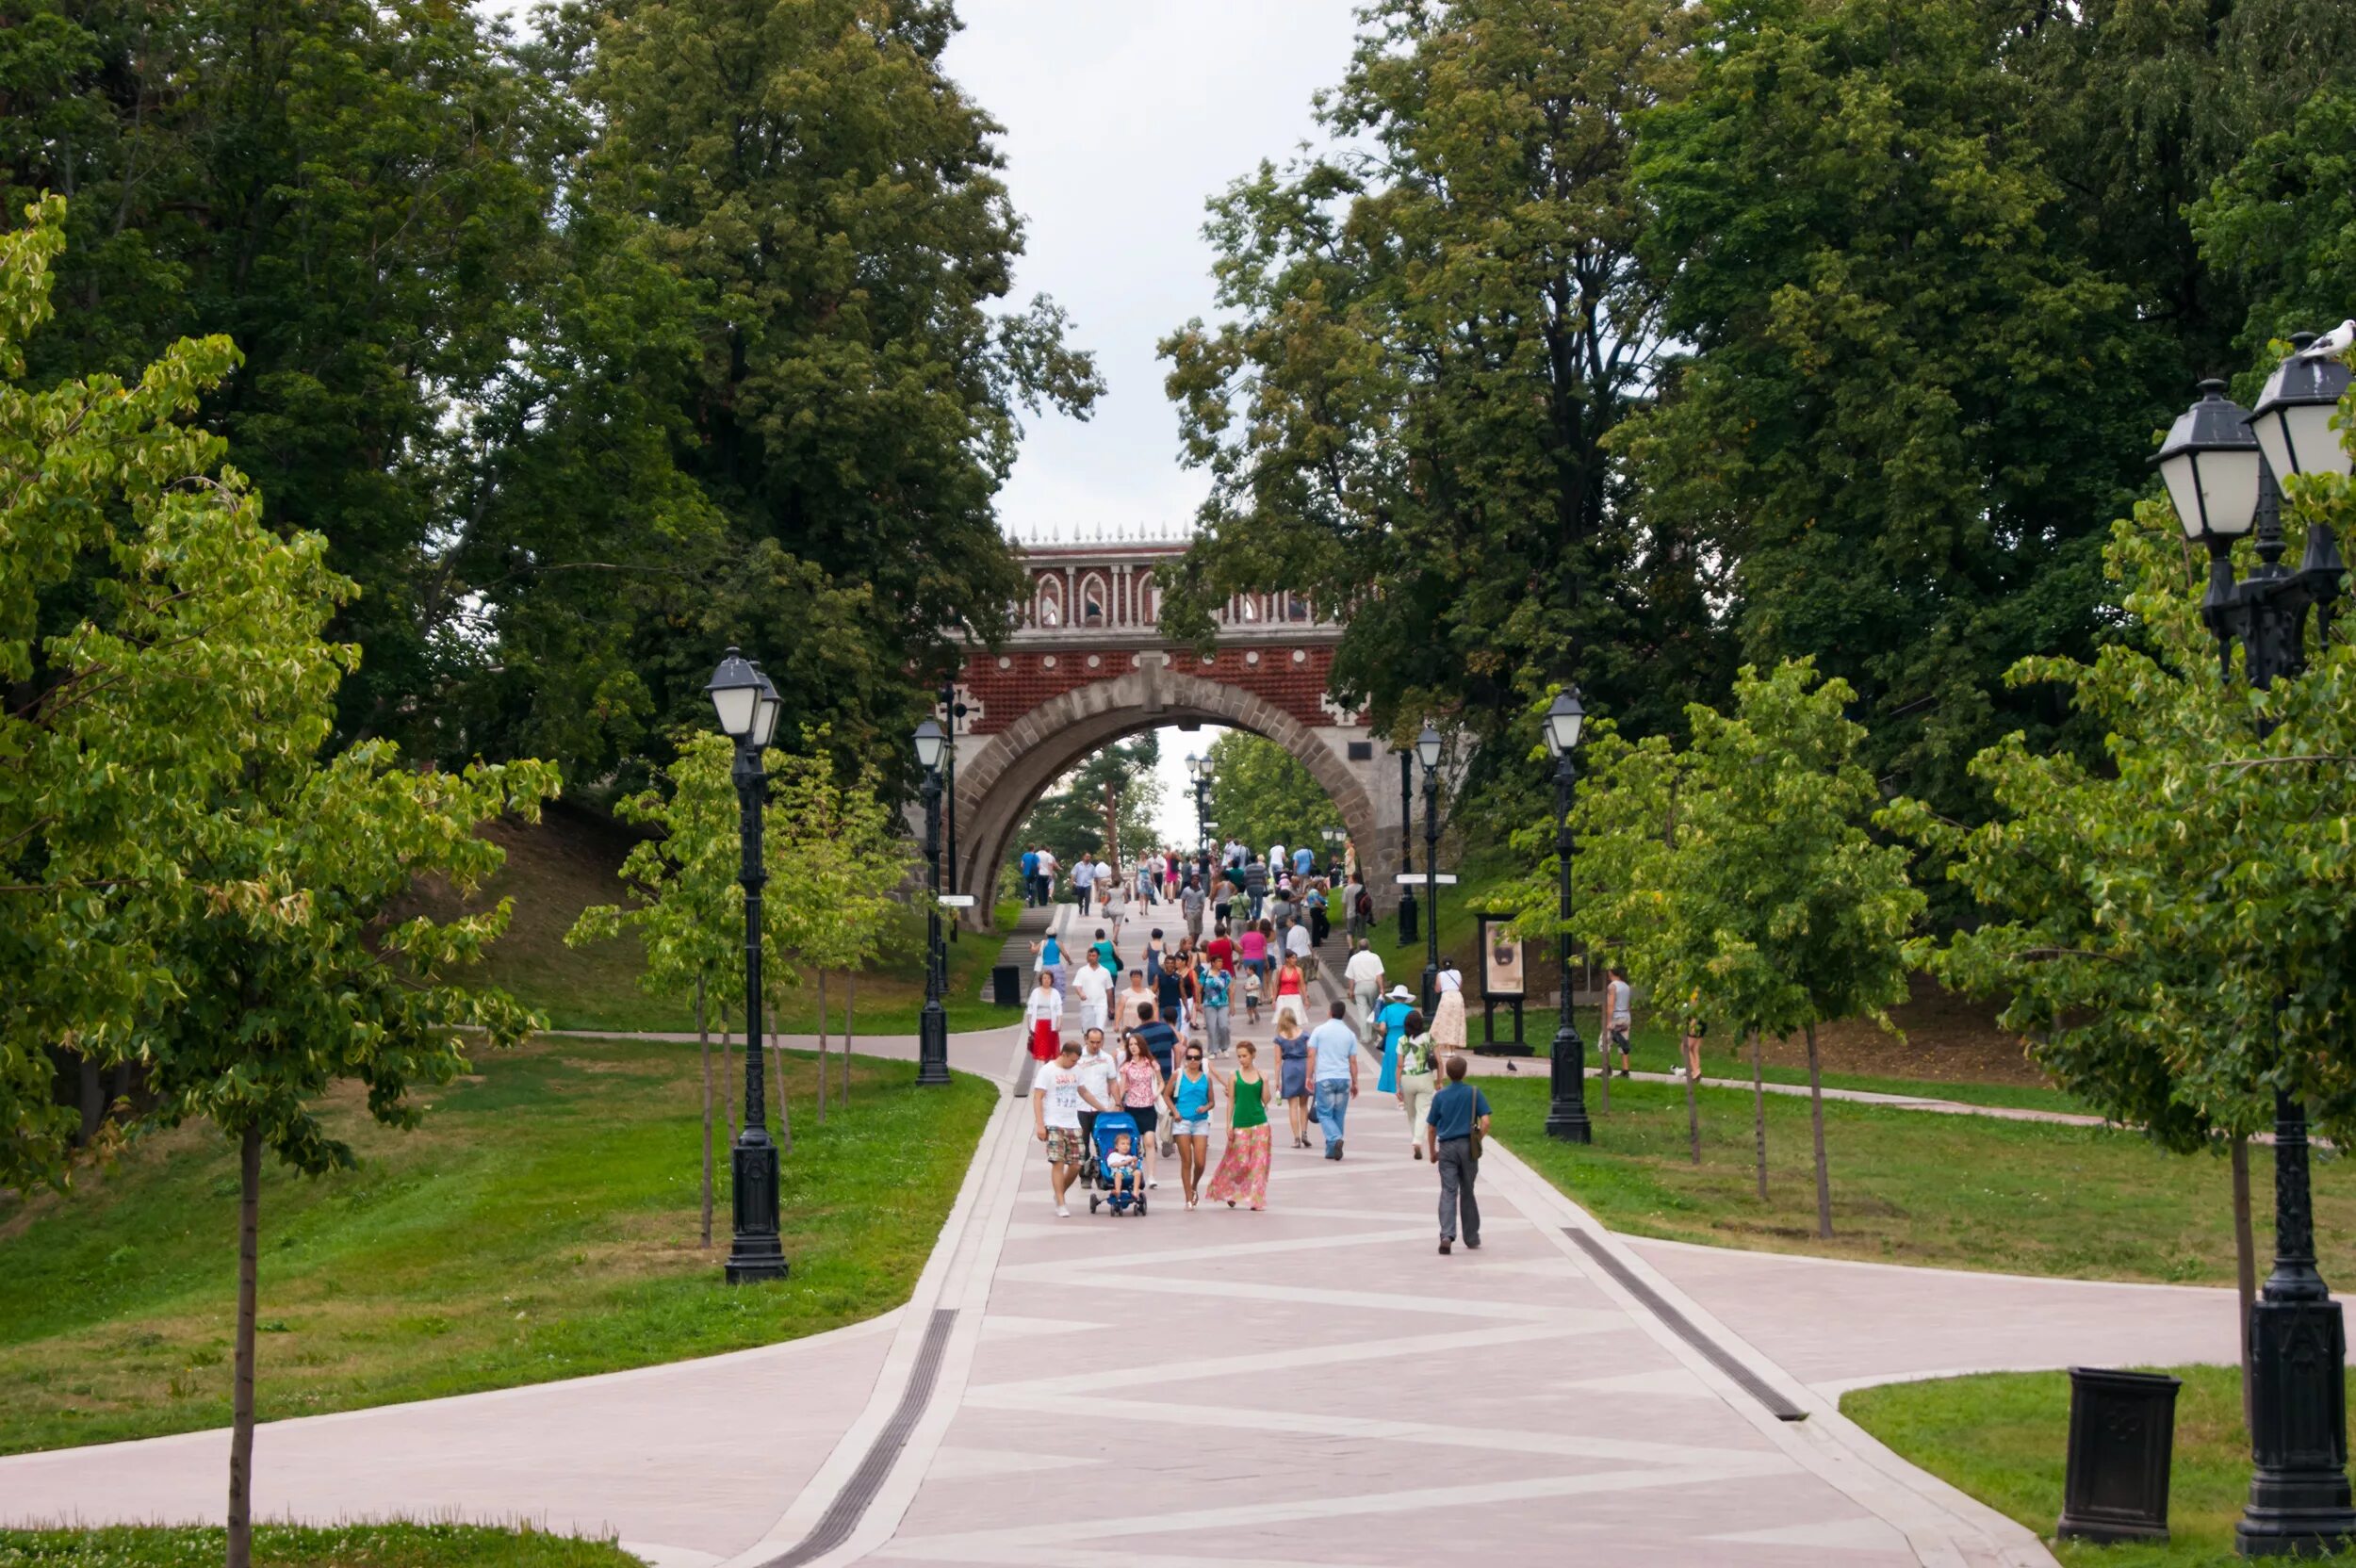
x,y
822,1044
1603,1039
2245,1259
1816,1116
1759,1112
93,1099
241,1385
703,1038
776,1055
1693,1120
850,1001
729,1076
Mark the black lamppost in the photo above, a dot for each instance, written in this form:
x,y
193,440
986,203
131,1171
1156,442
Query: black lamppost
x,y
1428,751
954,711
1406,847
1201,768
932,1027
747,705
1566,1119
2220,466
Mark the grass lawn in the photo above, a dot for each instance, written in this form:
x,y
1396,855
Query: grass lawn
x,y
1908,1187
571,860
541,1224
300,1546
2000,1437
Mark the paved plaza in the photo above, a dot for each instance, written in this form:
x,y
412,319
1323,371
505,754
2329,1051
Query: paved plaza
x,y
1311,1385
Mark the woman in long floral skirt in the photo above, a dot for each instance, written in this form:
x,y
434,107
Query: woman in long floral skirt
x,y
1242,1171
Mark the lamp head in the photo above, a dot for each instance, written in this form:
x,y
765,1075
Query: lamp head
x,y
1428,748
2293,419
928,740
1565,720
2210,461
765,710
735,692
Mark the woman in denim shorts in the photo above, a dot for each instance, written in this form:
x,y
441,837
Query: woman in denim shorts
x,y
1190,1095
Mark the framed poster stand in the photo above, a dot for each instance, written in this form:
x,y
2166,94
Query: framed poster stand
x,y
1504,982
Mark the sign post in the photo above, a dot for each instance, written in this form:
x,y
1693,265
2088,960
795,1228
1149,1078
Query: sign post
x,y
1503,979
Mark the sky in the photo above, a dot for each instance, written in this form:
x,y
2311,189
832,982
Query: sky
x,y
1122,120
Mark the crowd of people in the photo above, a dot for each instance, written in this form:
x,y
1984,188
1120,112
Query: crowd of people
x,y
1156,1042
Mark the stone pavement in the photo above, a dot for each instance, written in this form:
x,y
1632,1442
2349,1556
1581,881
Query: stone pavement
x,y
1309,1385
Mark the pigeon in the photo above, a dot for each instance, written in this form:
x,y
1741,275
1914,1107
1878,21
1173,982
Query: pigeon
x,y
2333,342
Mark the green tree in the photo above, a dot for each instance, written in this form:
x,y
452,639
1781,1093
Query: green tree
x,y
688,916
833,201
1906,388
185,883
1106,804
2283,221
1439,321
1262,794
353,193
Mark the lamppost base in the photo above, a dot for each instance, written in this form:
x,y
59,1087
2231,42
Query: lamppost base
x,y
1406,917
757,1253
1566,1113
1570,1126
2299,1503
932,1047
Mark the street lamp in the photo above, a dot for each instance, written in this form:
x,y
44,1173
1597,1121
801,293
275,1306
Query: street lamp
x,y
1406,848
2220,465
932,1026
1566,1119
747,706
1427,752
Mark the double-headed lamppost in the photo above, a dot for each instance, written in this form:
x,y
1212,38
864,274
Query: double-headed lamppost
x,y
2220,466
1427,752
1201,767
747,705
932,1027
1566,1119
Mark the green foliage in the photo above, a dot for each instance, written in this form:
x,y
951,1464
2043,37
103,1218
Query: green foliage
x,y
380,1546
1106,804
1438,322
2283,221
1262,794
689,910
1909,393
2174,926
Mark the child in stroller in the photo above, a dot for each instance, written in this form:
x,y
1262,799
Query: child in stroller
x,y
1117,1157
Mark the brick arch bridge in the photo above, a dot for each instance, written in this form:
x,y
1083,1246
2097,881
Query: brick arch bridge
x,y
1088,665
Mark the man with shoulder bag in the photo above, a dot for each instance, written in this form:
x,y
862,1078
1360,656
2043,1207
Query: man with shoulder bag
x,y
1454,1131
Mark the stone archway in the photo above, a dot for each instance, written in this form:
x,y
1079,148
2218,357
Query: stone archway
x,y
1001,780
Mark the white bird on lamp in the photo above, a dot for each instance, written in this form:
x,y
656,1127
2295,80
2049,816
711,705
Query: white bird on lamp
x,y
2333,342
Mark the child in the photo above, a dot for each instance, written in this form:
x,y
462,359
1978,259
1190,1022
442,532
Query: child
x,y
1251,995
1121,1163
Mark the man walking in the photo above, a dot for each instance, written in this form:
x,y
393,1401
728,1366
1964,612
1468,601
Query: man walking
x,y
1364,973
1097,1070
1093,986
1191,903
1332,1077
1619,1018
1255,885
1046,876
1083,882
1055,1102
1030,876
1453,1130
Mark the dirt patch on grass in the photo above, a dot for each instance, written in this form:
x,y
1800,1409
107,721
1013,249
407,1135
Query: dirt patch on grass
x,y
1948,1038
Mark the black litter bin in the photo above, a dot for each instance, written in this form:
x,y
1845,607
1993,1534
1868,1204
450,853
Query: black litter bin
x,y
1006,985
2122,1436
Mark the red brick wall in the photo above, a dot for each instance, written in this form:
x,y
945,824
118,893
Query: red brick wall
x,y
1276,678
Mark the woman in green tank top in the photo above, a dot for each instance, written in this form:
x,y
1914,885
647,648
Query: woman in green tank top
x,y
1243,1164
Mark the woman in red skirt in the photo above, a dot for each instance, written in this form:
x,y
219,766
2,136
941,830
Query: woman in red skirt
x,y
1045,1018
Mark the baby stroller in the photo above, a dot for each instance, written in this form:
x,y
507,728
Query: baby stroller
x,y
1109,1126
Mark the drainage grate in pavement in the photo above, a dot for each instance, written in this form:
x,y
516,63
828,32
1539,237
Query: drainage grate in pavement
x,y
850,1505
1720,1357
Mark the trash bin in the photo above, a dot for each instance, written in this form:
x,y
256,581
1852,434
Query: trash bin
x,y
1006,985
2122,1436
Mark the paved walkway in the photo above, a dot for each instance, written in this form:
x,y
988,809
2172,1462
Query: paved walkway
x,y
1222,1389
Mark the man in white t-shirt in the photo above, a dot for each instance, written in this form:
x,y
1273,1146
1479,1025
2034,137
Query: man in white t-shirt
x,y
1094,988
1298,947
1618,1019
1364,973
1097,1071
1057,1099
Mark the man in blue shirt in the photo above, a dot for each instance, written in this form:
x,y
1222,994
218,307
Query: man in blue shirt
x,y
1160,1037
1303,858
1030,877
1332,1076
1457,1113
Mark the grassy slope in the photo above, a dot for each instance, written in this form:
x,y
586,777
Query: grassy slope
x,y
2001,1438
395,1546
1953,1052
542,1224
1962,1192
572,860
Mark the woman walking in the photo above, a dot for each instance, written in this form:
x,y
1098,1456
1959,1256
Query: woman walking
x,y
1415,1078
1192,1094
1141,1087
1043,1016
1243,1164
1292,1058
1292,989
1447,1021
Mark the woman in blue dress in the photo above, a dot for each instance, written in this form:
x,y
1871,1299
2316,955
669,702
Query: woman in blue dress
x,y
1292,1056
1393,1017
